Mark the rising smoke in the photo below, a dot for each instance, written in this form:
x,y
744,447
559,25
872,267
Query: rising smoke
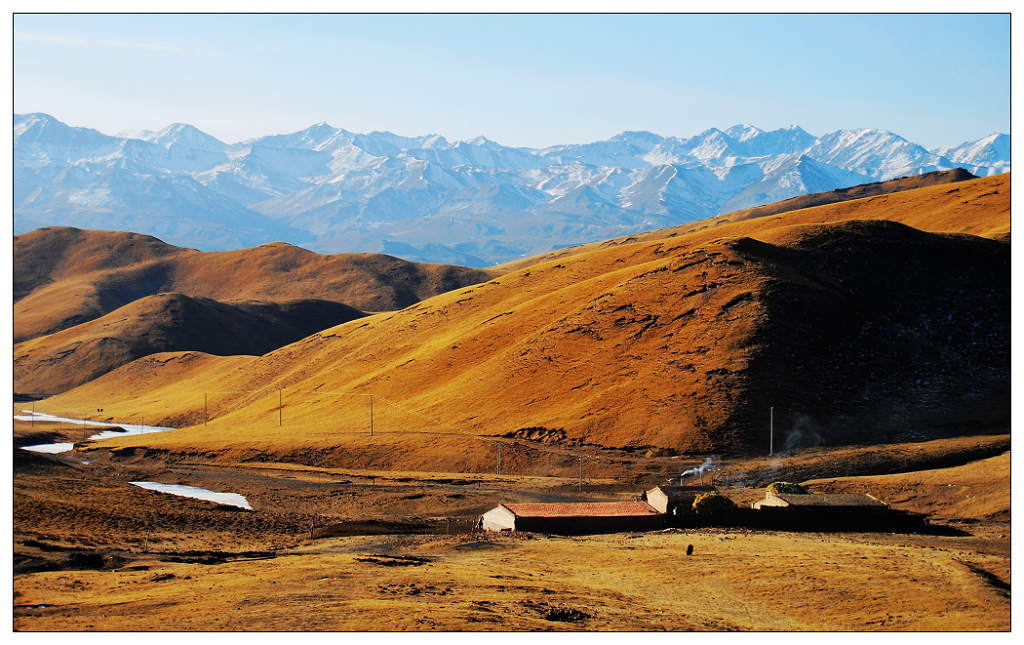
x,y
710,464
805,434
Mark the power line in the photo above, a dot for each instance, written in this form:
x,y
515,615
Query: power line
x,y
565,453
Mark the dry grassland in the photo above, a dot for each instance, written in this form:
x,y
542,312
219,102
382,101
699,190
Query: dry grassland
x,y
391,551
642,356
734,581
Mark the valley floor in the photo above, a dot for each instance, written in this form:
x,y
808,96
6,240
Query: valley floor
x,y
394,551
735,580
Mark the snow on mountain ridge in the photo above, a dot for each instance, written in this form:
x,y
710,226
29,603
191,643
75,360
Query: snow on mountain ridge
x,y
993,148
186,135
476,198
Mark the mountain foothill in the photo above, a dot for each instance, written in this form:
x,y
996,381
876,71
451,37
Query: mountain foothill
x,y
88,301
873,315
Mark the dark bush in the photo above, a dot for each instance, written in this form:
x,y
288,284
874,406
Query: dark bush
x,y
711,503
786,488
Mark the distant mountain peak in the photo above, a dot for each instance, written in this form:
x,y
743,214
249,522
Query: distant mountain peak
x,y
743,131
475,200
185,134
34,116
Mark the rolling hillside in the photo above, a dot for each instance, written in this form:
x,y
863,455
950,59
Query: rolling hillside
x,y
64,277
925,202
857,329
167,321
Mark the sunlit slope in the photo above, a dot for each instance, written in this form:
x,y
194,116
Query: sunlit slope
x,y
979,490
854,332
57,362
976,206
64,277
860,191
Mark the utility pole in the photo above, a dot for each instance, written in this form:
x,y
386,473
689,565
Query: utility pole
x,y
581,472
771,431
280,405
371,415
206,401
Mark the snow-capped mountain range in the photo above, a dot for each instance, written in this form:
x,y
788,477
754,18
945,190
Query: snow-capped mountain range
x,y
425,198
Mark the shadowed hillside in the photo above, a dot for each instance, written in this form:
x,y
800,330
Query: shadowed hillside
x,y
856,331
64,277
168,321
58,252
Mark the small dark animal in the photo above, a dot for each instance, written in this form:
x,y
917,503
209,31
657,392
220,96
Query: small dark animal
x,y
689,549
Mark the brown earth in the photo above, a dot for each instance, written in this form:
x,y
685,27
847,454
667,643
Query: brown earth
x,y
696,335
628,363
734,581
65,276
857,332
392,551
853,192
978,490
927,202
57,362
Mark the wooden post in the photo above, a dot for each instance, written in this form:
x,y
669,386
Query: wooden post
x,y
499,459
312,523
581,473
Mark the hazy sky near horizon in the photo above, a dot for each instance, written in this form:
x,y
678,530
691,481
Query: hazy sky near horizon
x,y
523,80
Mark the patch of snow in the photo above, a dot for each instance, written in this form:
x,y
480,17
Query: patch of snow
x,y
228,499
123,430
50,448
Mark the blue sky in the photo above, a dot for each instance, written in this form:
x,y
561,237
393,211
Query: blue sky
x,y
524,80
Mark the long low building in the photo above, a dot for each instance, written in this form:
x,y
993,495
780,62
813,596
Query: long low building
x,y
832,502
572,518
832,511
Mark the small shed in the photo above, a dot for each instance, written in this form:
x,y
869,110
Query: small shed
x,y
832,502
572,518
675,500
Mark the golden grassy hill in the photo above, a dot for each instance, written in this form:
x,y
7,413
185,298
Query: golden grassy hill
x,y
65,276
54,253
859,331
168,321
978,490
926,202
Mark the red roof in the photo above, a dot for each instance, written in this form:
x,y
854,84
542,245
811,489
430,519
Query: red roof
x,y
582,509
